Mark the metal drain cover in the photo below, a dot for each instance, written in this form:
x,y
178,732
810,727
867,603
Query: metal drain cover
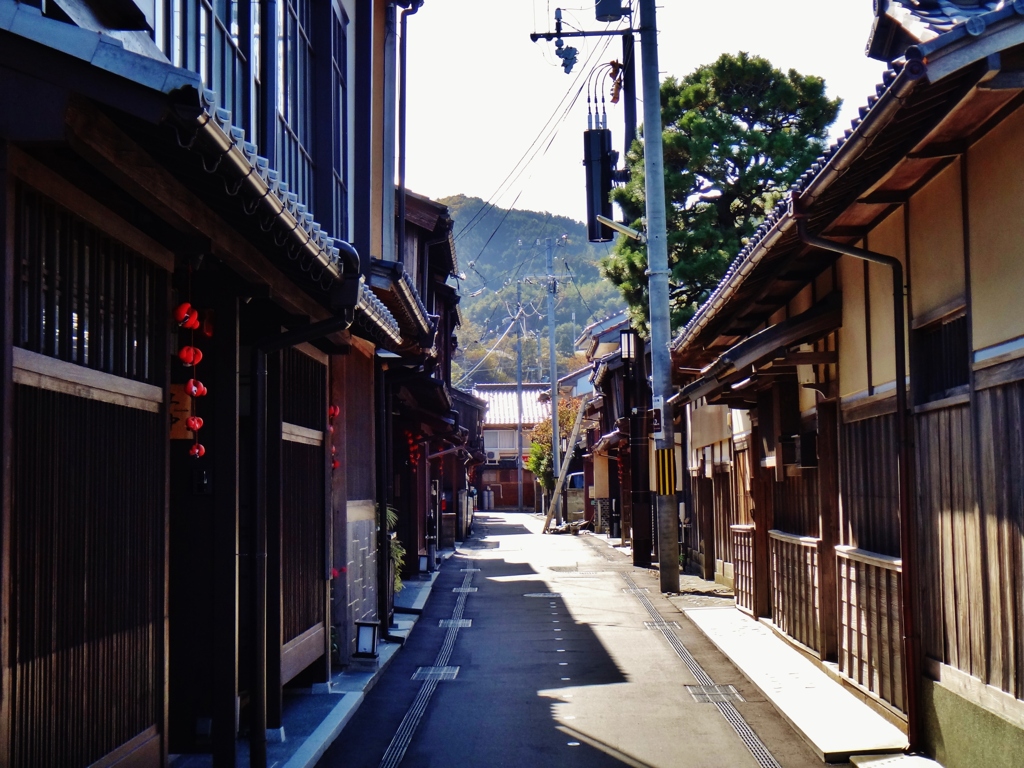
x,y
637,591
459,623
543,594
465,589
714,694
661,625
435,673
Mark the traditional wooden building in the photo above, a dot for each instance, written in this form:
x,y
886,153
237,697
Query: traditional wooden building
x,y
870,333
189,366
499,472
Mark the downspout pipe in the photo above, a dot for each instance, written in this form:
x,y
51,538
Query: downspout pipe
x,y
908,538
261,350
411,7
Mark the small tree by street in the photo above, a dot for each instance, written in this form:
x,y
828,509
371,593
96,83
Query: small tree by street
x,y
541,460
737,133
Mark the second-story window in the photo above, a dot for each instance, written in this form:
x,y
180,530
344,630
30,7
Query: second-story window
x,y
205,36
942,359
295,97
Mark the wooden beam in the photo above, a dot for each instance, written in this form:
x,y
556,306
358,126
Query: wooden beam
x,y
41,178
948,149
102,143
226,527
828,510
6,415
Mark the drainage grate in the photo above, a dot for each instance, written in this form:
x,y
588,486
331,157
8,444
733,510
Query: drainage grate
x,y
661,624
714,694
543,594
465,589
436,673
458,623
482,545
757,748
636,591
470,570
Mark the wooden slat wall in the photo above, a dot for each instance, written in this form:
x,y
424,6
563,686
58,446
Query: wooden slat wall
x,y
743,566
870,629
796,504
88,551
795,598
1001,482
870,495
952,605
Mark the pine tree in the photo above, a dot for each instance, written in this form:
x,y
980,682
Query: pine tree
x,y
737,133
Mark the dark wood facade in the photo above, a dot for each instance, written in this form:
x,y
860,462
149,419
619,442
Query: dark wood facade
x,y
139,618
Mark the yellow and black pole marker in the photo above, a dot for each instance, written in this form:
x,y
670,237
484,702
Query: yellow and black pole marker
x,y
666,464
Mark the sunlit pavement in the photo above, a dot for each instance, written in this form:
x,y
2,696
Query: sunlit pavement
x,y
564,655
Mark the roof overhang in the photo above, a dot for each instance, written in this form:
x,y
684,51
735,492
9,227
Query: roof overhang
x,y
743,360
917,125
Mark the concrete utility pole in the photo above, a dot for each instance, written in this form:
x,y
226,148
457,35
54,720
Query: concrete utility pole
x,y
519,389
555,433
658,272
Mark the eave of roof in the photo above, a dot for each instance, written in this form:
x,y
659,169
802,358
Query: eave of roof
x,y
176,96
909,106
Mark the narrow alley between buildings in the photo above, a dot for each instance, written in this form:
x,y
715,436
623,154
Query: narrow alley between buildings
x,y
555,651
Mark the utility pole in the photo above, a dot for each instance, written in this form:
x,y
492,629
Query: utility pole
x,y
519,389
661,332
555,432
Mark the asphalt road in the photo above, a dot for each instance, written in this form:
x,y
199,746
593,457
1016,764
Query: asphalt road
x,y
564,655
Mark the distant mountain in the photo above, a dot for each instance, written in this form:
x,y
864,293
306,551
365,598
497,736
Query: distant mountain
x,y
498,247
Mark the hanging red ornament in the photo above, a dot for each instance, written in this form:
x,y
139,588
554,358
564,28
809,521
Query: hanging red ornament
x,y
197,450
194,423
182,313
195,388
190,355
333,412
335,464
192,321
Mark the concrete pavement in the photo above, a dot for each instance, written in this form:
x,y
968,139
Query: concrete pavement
x,y
564,655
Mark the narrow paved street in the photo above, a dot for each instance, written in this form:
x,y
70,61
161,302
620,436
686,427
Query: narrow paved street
x,y
554,651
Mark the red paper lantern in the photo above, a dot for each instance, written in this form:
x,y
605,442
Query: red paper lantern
x,y
182,313
190,355
195,388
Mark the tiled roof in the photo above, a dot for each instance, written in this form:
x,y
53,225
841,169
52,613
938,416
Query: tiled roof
x,y
904,23
501,403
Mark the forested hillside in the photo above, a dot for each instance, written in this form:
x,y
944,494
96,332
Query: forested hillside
x,y
499,248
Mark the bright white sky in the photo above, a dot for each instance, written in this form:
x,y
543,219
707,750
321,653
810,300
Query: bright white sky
x,y
480,92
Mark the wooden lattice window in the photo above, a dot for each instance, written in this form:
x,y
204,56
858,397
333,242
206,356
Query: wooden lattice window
x,y
81,296
942,358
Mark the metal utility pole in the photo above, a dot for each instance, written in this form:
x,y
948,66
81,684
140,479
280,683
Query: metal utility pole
x,y
519,389
661,332
555,433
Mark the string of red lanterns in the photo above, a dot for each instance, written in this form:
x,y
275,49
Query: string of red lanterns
x,y
190,356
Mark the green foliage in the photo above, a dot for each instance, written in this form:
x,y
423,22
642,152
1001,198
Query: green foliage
x,y
737,133
541,459
493,264
397,548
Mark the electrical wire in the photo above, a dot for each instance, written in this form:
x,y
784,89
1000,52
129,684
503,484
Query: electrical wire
x,y
546,129
489,352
